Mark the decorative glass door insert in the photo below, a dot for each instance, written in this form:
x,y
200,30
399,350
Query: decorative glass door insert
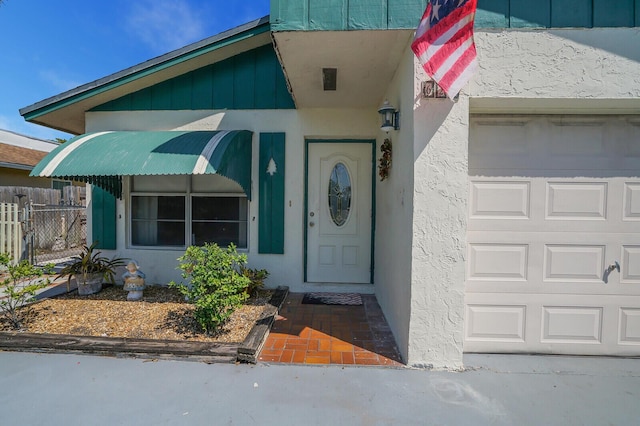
x,y
340,194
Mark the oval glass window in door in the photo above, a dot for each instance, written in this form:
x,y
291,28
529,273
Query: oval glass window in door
x,y
340,194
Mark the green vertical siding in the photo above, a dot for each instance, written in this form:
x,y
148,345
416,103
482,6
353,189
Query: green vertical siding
x,y
557,13
327,15
271,202
244,81
103,218
607,13
250,80
523,15
404,13
268,79
202,95
572,13
493,14
364,14
305,15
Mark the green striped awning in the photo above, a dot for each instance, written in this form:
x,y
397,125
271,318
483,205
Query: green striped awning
x,y
102,158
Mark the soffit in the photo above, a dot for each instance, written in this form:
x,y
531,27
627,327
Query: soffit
x,y
366,62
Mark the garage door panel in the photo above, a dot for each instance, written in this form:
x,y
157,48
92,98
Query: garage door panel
x,y
542,205
504,200
631,201
545,323
561,324
494,323
505,262
630,265
576,200
554,202
573,262
629,329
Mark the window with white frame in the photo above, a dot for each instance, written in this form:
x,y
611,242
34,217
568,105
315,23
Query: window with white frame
x,y
176,211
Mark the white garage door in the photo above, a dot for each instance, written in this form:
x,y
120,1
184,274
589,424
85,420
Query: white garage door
x,y
554,235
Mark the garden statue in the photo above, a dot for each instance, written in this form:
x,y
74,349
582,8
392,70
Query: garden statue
x,y
133,281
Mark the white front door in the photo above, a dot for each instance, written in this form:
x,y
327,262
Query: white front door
x,y
339,212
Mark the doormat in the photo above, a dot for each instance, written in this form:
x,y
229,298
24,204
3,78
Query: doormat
x,y
351,299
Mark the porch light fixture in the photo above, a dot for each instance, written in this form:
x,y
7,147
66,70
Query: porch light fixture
x,y
390,117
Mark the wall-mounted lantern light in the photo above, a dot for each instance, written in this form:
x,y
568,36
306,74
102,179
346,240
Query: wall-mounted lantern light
x,y
390,117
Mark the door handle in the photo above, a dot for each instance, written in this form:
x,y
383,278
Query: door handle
x,y
311,224
615,265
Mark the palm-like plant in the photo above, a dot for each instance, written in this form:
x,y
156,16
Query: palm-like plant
x,y
90,263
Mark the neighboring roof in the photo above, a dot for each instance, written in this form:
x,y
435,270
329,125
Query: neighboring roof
x,y
17,139
22,152
115,154
15,157
66,111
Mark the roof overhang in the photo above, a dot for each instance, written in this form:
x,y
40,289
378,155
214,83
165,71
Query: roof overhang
x,y
366,62
66,111
102,158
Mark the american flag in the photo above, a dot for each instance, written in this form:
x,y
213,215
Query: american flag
x,y
444,43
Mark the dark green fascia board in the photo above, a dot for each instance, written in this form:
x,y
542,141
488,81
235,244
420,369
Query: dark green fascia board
x,y
226,38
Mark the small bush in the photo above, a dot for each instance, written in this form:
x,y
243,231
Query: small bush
x,y
257,277
19,287
214,285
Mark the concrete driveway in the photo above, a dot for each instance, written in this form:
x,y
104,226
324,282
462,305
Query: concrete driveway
x,y
54,389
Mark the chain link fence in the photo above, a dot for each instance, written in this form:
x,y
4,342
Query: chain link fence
x,y
56,232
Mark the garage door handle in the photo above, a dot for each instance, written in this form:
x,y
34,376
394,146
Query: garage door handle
x,y
614,266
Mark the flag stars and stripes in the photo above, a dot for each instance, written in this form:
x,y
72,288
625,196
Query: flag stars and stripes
x,y
444,43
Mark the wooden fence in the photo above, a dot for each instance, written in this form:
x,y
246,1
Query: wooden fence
x,y
70,195
10,231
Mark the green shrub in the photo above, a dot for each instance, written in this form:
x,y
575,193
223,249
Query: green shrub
x,y
214,285
18,286
257,277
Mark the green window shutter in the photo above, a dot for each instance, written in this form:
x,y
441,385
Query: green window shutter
x,y
103,218
271,197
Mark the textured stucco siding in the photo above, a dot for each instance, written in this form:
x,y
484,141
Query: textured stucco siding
x,y
547,71
578,64
394,212
439,231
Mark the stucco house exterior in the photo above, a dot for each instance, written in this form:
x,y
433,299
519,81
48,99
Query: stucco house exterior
x,y
510,219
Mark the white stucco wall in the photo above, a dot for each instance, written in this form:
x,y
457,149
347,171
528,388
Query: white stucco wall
x,y
439,231
159,264
587,70
531,71
394,212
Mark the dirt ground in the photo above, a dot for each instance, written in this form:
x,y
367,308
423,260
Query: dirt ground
x,y
162,314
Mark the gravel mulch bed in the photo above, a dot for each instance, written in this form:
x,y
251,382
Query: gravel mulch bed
x,y
161,314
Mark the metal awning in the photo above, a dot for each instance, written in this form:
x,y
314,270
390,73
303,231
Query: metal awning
x,y
103,158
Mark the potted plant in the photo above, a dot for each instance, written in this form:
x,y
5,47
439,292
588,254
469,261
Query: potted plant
x,y
90,269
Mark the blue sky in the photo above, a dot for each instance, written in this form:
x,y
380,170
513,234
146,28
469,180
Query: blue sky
x,y
50,46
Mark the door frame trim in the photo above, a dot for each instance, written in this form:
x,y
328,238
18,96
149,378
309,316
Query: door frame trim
x,y
372,143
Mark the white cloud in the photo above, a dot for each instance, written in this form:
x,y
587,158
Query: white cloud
x,y
58,82
165,25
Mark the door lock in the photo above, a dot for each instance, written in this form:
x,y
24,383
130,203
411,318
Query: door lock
x,y
311,224
614,266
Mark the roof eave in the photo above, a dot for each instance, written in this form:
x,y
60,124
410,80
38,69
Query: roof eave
x,y
250,29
